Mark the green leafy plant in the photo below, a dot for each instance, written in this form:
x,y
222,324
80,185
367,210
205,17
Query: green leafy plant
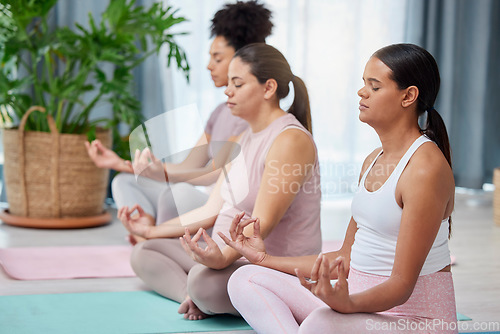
x,y
69,72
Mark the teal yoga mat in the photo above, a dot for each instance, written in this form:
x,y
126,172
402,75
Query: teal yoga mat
x,y
103,312
462,317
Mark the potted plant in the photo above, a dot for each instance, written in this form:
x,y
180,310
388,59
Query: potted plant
x,y
65,73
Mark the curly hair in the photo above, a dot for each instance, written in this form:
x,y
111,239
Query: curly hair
x,y
242,23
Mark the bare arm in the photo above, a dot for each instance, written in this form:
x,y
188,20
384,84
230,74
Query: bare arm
x,y
198,168
104,157
272,203
203,217
426,192
305,263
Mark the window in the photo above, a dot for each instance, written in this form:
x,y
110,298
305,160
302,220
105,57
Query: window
x,y
327,43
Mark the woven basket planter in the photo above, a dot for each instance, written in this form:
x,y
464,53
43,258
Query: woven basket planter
x,y
50,175
496,196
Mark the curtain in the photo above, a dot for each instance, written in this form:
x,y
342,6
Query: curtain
x,y
464,37
148,83
327,43
69,12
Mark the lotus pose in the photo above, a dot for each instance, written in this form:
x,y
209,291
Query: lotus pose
x,y
393,270
268,179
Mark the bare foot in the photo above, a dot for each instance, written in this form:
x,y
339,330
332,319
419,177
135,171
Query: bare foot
x,y
190,310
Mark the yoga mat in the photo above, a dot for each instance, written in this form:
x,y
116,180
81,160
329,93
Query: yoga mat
x,y
462,317
41,263
104,312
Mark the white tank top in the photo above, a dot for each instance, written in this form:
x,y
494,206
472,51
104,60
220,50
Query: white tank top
x,y
378,218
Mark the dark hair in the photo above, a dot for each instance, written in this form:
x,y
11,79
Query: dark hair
x,y
412,65
242,23
266,63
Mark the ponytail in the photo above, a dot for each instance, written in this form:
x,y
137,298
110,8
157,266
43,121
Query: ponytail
x,y
436,131
266,62
412,65
300,107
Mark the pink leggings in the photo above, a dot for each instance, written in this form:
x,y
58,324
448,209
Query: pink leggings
x,y
274,302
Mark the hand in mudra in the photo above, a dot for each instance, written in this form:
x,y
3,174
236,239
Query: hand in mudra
x,y
337,295
210,256
147,165
252,247
103,157
138,224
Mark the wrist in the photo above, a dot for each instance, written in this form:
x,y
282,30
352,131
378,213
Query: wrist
x,y
264,260
228,257
149,232
351,306
123,166
225,262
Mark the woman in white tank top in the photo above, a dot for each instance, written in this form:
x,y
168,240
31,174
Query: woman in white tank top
x,y
395,253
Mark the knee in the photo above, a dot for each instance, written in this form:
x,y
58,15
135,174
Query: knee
x,y
239,281
145,256
137,258
198,287
122,181
181,187
318,321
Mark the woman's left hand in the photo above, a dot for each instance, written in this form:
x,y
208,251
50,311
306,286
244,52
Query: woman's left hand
x,y
211,256
336,296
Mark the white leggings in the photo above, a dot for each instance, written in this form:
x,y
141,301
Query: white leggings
x,y
156,198
274,302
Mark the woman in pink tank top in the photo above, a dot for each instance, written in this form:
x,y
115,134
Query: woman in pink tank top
x,y
274,176
395,252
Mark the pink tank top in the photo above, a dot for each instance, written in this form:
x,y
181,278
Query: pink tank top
x,y
298,232
222,125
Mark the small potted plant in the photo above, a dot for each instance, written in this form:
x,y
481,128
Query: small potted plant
x,y
51,79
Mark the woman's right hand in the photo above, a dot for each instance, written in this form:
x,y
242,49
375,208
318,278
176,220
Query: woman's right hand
x,y
253,247
103,157
147,165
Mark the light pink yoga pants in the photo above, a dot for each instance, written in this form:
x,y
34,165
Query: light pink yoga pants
x,y
274,302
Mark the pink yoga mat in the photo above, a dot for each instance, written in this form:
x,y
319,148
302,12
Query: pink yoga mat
x,y
40,263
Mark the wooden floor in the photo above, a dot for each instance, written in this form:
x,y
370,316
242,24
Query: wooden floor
x,y
475,243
